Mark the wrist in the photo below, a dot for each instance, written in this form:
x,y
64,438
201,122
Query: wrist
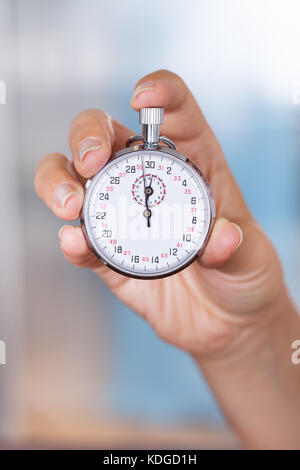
x,y
256,383
261,343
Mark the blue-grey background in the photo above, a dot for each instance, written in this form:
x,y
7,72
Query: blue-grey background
x,y
83,353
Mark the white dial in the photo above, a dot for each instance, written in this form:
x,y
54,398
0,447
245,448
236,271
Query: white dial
x,y
148,213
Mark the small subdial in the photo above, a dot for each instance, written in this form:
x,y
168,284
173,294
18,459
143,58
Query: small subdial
x,y
149,187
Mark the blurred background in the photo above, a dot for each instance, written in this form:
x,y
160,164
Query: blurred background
x,y
82,369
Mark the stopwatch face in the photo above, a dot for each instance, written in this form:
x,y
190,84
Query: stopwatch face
x,y
148,213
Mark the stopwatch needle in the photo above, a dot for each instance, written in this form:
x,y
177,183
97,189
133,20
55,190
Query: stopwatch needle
x,y
147,212
148,191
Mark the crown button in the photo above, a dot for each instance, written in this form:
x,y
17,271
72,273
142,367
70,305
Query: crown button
x,y
152,116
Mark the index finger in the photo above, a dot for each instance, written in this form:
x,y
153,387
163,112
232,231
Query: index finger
x,y
183,118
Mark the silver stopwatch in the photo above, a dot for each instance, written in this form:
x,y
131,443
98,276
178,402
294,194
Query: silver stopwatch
x,y
149,212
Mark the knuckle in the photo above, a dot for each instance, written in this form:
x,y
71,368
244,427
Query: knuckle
x,y
90,122
39,174
43,170
88,114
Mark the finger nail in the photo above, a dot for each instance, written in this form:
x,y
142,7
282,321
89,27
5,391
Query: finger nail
x,y
63,192
61,231
88,145
241,234
146,86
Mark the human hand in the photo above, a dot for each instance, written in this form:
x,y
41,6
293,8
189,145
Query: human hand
x,y
205,308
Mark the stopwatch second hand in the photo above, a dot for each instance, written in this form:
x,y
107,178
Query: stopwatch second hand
x,y
150,184
147,212
149,191
144,180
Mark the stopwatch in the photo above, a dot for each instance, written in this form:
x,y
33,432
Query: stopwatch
x,y
149,211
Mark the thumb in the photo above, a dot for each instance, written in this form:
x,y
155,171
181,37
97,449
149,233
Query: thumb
x,y
238,249
225,239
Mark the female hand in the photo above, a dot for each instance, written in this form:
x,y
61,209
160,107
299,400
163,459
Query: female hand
x,y
224,308
204,308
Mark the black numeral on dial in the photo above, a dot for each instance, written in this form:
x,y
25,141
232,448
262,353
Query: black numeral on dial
x,y
106,233
130,169
114,180
100,215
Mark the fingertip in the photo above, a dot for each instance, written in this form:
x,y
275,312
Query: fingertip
x,y
165,89
72,240
65,233
157,93
91,139
239,235
67,200
91,158
225,239
144,87
75,248
61,230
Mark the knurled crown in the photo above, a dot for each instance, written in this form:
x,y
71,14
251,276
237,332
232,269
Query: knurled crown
x,y
152,116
